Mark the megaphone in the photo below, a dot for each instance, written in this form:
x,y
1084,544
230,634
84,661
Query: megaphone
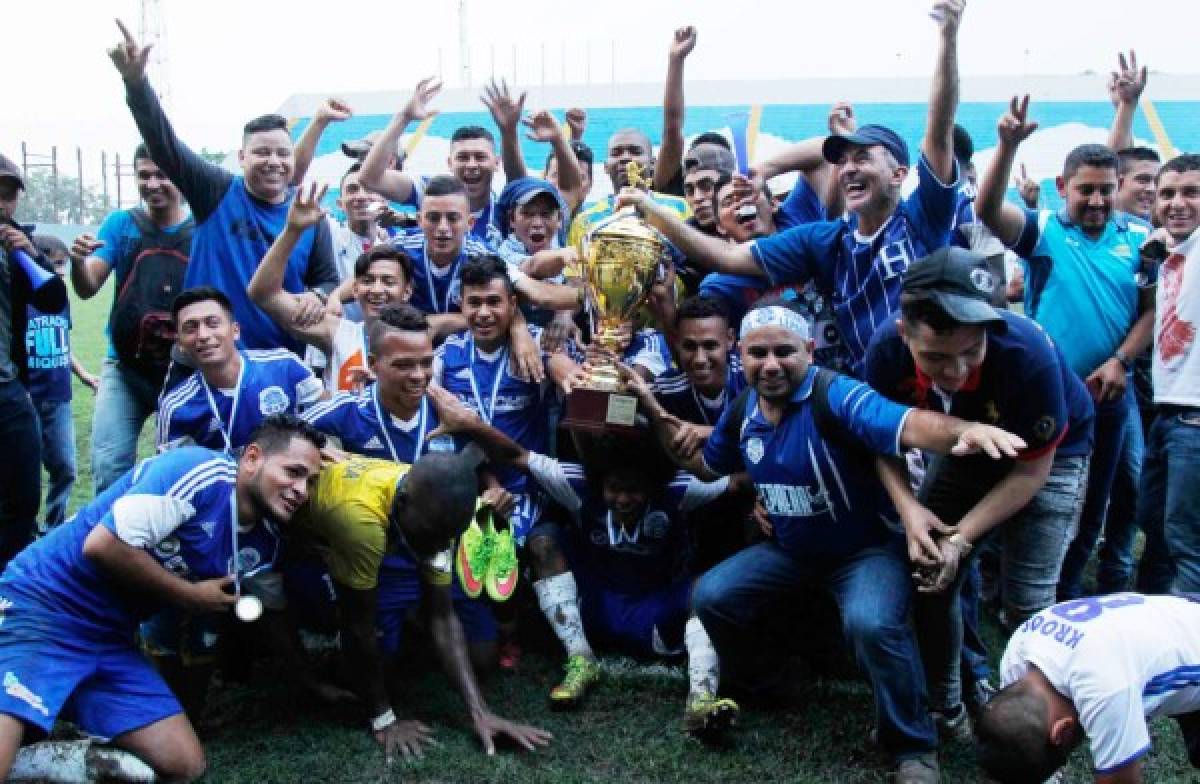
x,y
48,293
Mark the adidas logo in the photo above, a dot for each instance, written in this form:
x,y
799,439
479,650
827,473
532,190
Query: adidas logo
x,y
373,443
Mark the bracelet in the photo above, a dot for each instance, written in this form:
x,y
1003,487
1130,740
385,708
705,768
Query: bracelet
x,y
1125,361
962,544
383,720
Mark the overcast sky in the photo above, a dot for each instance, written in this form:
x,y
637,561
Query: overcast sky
x,y
229,60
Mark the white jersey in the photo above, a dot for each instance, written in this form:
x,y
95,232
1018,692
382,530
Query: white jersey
x,y
349,352
1177,313
1121,659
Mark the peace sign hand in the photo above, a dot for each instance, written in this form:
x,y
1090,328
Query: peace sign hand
x,y
1029,190
1014,127
129,56
1125,85
306,210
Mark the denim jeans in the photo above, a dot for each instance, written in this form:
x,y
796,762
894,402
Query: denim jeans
x,y
123,403
873,590
1115,567
58,456
1032,545
20,469
1169,503
1110,424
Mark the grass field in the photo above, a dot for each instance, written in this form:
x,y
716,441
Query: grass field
x,y
628,731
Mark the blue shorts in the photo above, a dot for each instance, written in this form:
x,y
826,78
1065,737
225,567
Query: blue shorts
x,y
400,589
107,689
642,624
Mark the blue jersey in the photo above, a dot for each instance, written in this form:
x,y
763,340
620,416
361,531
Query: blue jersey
x,y
485,229
649,349
179,507
861,276
484,382
271,382
355,421
48,354
679,397
649,555
436,289
801,206
1082,290
822,503
1023,386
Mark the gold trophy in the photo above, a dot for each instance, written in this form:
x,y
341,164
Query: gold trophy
x,y
620,260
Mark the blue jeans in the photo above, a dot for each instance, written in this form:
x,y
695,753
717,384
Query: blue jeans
x,y
58,456
873,589
1120,524
1032,544
1169,504
20,469
1110,424
123,403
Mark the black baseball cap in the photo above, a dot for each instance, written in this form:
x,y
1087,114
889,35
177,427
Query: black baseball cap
x,y
10,171
866,136
710,157
958,281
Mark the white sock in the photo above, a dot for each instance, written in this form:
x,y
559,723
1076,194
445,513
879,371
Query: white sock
x,y
704,668
559,599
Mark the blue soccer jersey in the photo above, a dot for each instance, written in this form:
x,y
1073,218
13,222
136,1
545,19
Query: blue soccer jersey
x,y
822,502
801,206
649,349
680,397
436,289
179,507
648,556
270,382
1023,386
859,275
365,427
1083,290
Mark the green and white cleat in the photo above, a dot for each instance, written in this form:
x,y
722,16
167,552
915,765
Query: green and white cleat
x,y
582,674
707,717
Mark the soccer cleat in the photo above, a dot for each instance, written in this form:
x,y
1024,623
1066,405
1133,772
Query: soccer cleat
x,y
954,725
500,580
582,674
706,716
474,553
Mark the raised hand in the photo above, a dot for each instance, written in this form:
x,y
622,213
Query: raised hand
x,y
948,14
841,119
1029,190
306,208
1125,85
83,246
417,108
683,42
577,122
542,126
129,56
1015,127
333,110
505,110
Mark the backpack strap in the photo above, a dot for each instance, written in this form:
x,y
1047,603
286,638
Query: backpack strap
x,y
153,236
737,414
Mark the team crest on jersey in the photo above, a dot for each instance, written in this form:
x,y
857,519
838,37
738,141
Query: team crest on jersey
x,y
272,400
14,688
983,280
1044,427
656,524
754,450
248,559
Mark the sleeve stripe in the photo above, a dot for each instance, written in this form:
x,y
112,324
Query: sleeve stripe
x,y
317,410
202,476
169,403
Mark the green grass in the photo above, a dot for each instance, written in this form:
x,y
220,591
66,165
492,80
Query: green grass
x,y
628,731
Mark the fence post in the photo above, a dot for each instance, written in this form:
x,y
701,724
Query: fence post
x,y
79,169
104,177
54,181
117,171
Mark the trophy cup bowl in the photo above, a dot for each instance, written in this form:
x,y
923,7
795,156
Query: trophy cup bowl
x,y
620,261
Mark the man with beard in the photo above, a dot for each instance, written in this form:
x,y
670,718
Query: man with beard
x,y
382,276
179,531
1081,286
237,217
232,390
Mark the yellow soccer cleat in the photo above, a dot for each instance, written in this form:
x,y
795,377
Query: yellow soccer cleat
x,y
582,674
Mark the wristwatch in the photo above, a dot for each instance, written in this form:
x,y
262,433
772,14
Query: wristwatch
x,y
1125,361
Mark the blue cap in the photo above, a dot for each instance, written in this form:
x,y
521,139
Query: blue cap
x,y
866,136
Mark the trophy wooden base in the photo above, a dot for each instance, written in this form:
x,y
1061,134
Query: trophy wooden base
x,y
600,411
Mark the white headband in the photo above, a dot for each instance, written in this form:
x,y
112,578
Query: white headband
x,y
776,316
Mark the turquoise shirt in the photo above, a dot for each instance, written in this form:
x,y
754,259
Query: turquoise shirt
x,y
1081,290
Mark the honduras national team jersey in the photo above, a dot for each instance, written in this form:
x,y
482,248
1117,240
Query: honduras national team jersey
x,y
679,397
436,289
179,507
355,421
1120,659
1082,290
653,553
271,382
1023,386
861,276
822,503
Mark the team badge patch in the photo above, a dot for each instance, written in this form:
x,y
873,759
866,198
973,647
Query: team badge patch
x,y
272,400
248,558
983,280
656,524
754,450
1045,427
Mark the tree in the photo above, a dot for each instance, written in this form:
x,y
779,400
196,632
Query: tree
x,y
43,202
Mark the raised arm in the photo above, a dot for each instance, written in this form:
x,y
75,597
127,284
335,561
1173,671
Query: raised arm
x,y
1005,220
551,296
544,128
506,112
330,110
670,152
711,253
376,174
203,184
88,271
1125,87
938,145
